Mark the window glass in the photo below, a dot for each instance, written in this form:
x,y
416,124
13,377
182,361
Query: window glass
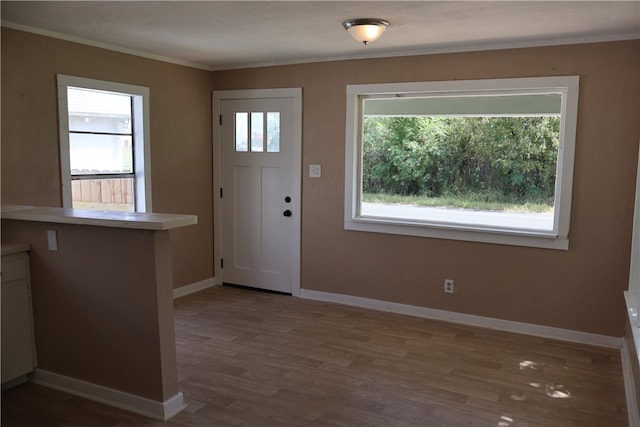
x,y
94,111
253,125
242,131
100,154
117,194
494,171
273,132
101,144
257,131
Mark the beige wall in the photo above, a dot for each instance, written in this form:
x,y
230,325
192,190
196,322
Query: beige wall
x,y
579,289
180,99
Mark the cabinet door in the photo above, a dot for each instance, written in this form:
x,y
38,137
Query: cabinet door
x,y
17,330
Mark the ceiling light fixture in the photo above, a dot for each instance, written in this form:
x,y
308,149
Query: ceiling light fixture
x,y
365,30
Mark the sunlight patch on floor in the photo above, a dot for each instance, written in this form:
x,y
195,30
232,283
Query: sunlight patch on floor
x,y
505,421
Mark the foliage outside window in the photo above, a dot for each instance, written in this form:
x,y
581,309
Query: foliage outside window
x,y
486,160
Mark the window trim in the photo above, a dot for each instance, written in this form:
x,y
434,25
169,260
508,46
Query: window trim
x,y
142,156
556,239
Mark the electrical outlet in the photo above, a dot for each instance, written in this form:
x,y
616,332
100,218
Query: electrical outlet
x,y
449,286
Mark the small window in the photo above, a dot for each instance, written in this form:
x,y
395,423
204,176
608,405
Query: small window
x,y
103,149
486,160
250,131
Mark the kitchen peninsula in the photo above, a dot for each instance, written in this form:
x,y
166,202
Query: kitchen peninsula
x,y
102,303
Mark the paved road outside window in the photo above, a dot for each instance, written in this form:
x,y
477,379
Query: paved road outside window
x,y
521,220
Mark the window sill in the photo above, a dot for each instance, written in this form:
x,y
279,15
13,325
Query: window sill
x,y
513,237
632,310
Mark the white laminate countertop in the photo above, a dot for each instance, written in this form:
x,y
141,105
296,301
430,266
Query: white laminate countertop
x,y
133,220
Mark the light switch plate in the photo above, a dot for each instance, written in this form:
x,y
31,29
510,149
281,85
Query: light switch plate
x,y
52,240
315,171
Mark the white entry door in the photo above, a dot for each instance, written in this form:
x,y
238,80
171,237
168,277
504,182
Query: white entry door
x,y
259,200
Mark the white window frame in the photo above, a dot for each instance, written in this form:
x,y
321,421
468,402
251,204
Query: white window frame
x,y
142,163
558,238
632,294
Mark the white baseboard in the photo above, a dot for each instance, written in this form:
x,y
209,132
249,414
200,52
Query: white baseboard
x,y
467,319
157,410
629,386
194,287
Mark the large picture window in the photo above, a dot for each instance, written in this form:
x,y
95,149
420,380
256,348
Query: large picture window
x,y
104,153
484,160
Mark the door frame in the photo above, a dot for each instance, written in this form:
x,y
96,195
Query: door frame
x,y
296,170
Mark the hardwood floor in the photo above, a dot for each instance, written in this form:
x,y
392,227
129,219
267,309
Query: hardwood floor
x,y
257,359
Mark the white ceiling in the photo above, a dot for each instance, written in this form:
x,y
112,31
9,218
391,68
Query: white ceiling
x,y
232,34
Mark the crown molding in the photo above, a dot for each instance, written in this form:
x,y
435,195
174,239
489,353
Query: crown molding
x,y
107,46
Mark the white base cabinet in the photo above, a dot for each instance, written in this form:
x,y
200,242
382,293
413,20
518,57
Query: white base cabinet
x,y
18,348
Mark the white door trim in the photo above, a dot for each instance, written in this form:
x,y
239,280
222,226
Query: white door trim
x,y
296,155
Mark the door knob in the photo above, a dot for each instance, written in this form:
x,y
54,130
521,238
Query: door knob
x,y
287,213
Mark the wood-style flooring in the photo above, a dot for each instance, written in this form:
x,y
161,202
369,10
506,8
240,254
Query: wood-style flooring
x,y
249,358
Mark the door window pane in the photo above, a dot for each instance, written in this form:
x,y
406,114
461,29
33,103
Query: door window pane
x,y
251,129
242,130
257,130
273,132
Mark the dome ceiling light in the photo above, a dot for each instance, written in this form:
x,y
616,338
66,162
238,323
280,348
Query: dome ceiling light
x,y
365,30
